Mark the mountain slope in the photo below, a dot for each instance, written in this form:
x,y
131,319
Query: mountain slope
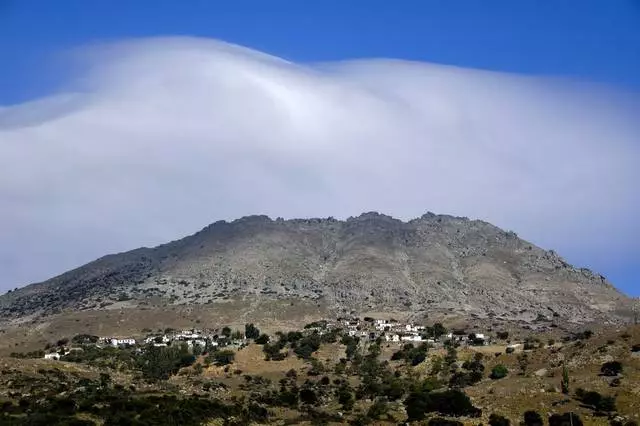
x,y
435,263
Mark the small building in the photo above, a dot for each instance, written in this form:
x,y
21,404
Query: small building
x,y
197,342
53,355
411,338
115,342
392,337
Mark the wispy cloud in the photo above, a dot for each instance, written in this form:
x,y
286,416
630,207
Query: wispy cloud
x,y
160,137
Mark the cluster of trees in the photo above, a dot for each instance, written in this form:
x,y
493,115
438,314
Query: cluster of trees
x,y
450,402
471,373
220,357
302,345
532,418
411,354
159,363
116,405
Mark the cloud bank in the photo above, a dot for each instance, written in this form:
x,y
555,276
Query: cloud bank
x,y
157,138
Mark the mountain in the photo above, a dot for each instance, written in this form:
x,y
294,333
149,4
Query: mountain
x,y
370,263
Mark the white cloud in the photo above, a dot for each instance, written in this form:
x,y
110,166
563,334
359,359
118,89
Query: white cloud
x,y
163,136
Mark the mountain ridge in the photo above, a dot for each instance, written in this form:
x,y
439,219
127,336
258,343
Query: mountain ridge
x,y
371,262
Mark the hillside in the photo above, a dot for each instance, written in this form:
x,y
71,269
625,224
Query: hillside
x,y
371,263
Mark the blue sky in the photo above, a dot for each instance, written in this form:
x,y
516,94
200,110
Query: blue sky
x,y
596,41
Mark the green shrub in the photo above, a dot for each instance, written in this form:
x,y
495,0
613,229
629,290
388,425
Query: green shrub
x,y
262,339
222,357
532,418
566,419
499,372
345,398
612,368
450,403
251,331
498,420
439,421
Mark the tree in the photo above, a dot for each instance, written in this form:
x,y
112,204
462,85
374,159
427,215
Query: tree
x,y
251,331
532,418
612,368
438,330
498,420
378,409
566,419
499,372
450,403
223,357
307,346
262,339
226,331
345,397
308,396
596,401
158,363
565,379
523,362
451,357
438,421
503,335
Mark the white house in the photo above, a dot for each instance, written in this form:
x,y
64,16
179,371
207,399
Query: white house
x,y
53,355
392,338
152,339
197,342
120,342
411,338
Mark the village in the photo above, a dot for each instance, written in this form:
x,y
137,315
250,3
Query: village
x,y
206,340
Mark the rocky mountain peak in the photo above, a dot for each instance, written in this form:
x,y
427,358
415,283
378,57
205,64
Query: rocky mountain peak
x,y
432,265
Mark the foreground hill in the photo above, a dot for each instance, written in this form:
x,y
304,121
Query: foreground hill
x,y
370,263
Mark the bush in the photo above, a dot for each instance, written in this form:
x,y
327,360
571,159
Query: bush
x,y
158,363
223,357
262,339
499,372
345,398
612,368
596,401
503,335
306,346
498,420
635,348
308,396
566,419
450,403
251,331
510,350
438,421
378,409
532,418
